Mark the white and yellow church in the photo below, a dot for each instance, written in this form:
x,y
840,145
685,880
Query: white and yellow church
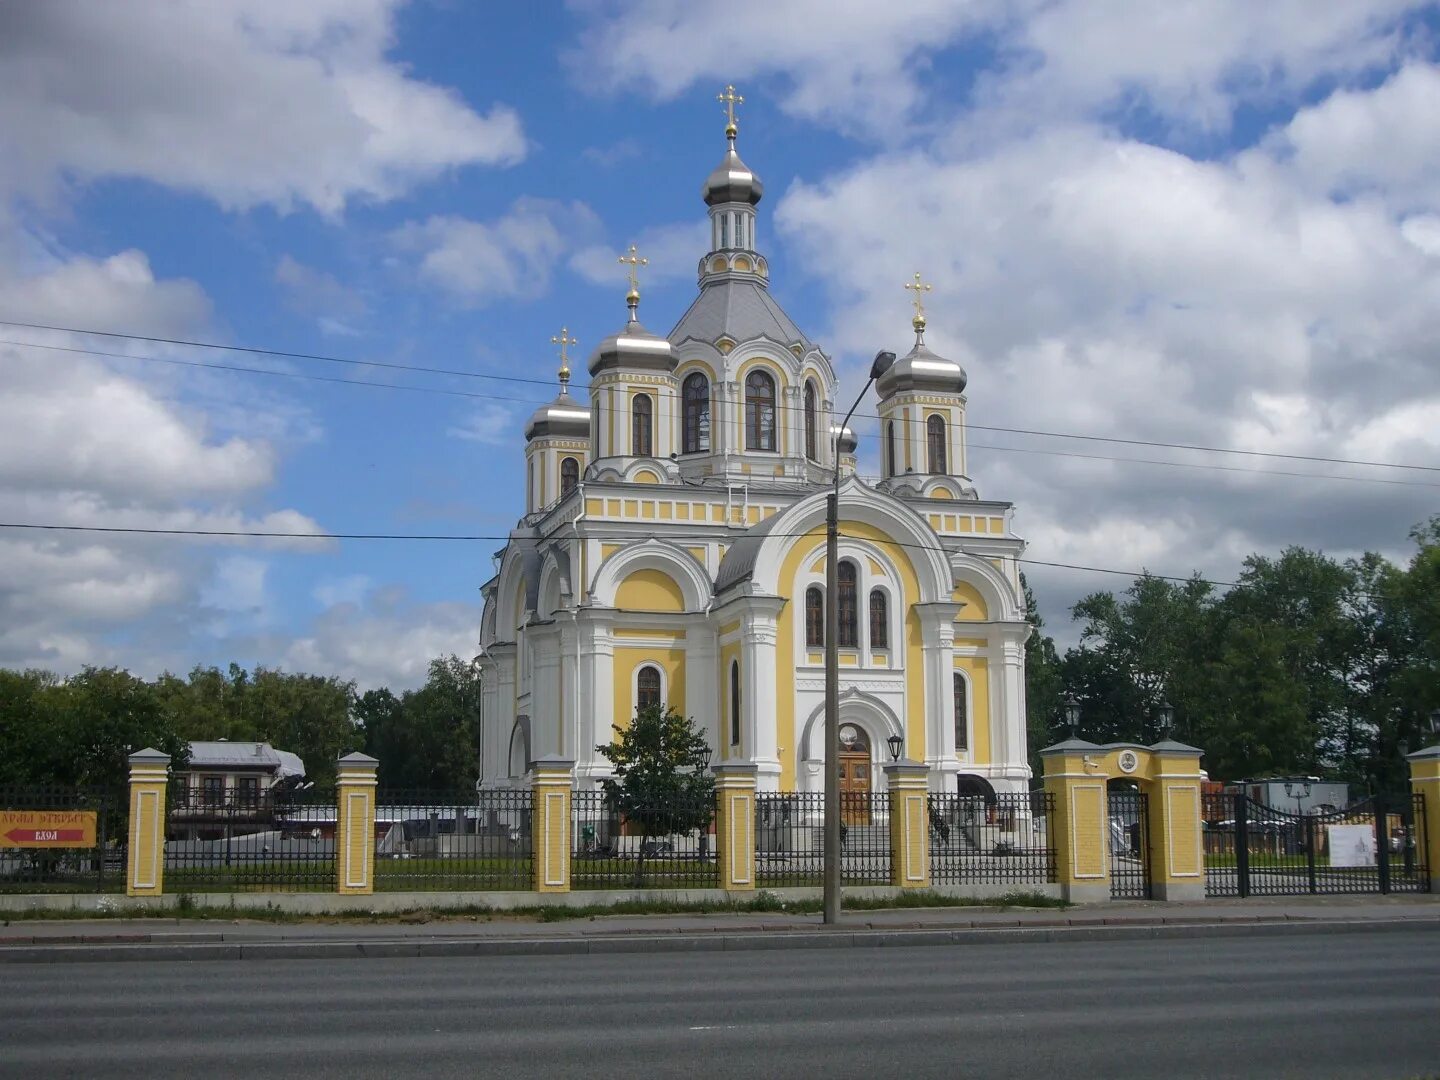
x,y
673,550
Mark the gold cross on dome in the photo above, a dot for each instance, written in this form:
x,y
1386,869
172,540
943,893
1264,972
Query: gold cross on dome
x,y
730,99
564,340
634,261
920,288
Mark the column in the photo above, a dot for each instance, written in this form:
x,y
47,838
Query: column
x,y
702,693
1177,856
355,823
1425,780
145,859
1081,820
761,712
550,784
735,824
597,694
937,710
908,782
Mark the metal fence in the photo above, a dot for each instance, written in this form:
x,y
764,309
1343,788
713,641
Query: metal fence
x,y
437,840
790,839
669,845
1001,839
1129,845
1377,845
239,841
92,869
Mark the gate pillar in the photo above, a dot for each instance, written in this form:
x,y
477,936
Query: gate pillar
x,y
355,823
1425,780
551,779
735,824
1075,777
145,852
909,783
1177,857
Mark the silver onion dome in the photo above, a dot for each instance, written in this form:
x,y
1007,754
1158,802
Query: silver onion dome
x,y
732,181
921,369
563,418
633,348
847,443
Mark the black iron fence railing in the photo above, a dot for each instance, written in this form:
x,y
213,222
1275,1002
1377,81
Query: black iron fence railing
x,y
1002,839
669,845
790,839
35,821
232,843
437,840
1377,845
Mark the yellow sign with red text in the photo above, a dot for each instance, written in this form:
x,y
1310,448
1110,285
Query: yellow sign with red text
x,y
47,828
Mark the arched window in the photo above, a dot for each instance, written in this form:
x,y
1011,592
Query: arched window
x,y
734,703
935,444
641,426
647,687
695,395
814,617
890,448
759,411
569,475
962,718
849,617
879,620
810,420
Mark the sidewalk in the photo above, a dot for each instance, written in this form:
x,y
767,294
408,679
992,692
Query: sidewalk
x,y
221,939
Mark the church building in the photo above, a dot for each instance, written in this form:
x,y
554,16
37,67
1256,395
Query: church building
x,y
673,550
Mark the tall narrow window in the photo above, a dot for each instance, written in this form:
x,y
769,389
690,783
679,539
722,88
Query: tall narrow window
x,y
810,420
759,411
647,687
641,426
734,703
569,475
849,637
724,230
935,444
695,394
890,448
962,718
879,620
814,617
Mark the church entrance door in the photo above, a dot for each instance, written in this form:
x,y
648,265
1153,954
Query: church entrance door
x,y
854,776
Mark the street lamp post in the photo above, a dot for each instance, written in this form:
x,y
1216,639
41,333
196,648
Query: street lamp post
x,y
1072,715
878,367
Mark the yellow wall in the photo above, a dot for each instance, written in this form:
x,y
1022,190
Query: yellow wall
x,y
974,609
628,658
649,590
977,669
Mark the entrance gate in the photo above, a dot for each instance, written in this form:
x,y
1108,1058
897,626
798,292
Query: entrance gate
x,y
1129,845
1373,846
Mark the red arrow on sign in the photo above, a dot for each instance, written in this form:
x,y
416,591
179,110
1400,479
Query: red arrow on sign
x,y
53,836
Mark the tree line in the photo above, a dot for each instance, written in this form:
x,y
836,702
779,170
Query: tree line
x,y
1309,666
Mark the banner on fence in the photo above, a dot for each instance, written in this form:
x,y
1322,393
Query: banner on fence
x,y
47,828
1351,845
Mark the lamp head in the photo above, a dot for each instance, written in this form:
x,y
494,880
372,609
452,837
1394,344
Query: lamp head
x,y
882,363
1072,713
705,757
1164,718
1434,721
896,742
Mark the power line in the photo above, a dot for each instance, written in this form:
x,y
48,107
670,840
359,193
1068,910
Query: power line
x,y
289,355
474,396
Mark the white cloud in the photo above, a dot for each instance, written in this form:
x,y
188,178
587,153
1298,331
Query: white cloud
x,y
488,424
315,293
512,256
247,102
673,252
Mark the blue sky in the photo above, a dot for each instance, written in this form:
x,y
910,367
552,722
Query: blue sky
x,y
1216,225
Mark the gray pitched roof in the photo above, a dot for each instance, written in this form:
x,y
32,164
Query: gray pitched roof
x,y
741,310
244,755
739,562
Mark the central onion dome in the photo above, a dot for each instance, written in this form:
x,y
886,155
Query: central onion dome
x,y
732,181
563,418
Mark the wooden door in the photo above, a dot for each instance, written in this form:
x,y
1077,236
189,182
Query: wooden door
x,y
855,788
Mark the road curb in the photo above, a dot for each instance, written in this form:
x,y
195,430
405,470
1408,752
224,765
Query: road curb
x,y
698,941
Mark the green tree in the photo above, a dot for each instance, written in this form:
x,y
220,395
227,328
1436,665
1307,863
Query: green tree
x,y
660,784
1044,683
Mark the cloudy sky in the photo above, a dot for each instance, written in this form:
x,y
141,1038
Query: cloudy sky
x,y
1211,223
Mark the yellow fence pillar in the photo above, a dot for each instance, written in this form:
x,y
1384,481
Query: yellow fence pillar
x,y
1425,780
735,824
908,782
1177,853
551,779
1076,778
145,857
355,823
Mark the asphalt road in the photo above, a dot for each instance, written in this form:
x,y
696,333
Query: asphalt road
x,y
1343,1005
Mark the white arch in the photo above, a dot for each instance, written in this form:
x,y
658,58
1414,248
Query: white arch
x,y
1001,598
652,554
856,707
888,515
